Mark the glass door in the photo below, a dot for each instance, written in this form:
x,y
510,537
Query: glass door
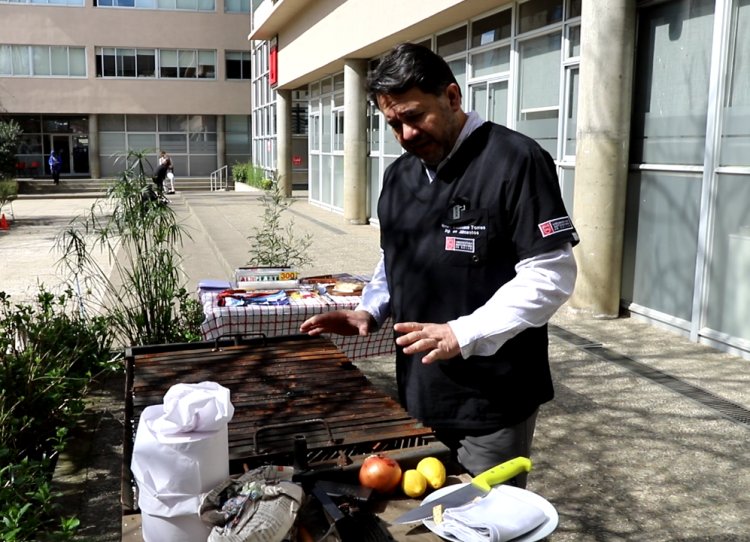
x,y
80,154
61,145
73,151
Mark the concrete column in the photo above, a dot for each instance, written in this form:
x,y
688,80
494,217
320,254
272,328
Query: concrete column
x,y
95,168
221,142
355,142
284,140
604,103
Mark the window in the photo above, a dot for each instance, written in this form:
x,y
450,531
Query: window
x,y
539,13
237,6
338,130
125,61
40,55
490,100
735,126
452,42
186,61
574,41
299,118
114,62
168,64
49,2
670,100
538,98
183,5
238,139
42,61
145,63
206,65
181,63
490,62
491,29
238,64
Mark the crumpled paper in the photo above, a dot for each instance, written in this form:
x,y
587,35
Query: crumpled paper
x,y
267,515
188,408
498,517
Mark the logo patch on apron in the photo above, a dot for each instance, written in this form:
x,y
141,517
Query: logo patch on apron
x,y
555,225
459,244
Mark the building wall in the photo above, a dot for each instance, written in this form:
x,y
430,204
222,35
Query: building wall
x,y
323,33
202,121
33,24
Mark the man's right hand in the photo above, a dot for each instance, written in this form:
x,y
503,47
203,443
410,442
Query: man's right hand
x,y
341,322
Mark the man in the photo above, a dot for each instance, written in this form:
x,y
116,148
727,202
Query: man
x,y
55,165
476,257
161,172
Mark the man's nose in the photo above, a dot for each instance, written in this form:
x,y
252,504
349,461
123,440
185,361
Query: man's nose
x,y
409,132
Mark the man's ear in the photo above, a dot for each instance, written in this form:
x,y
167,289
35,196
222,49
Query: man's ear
x,y
454,95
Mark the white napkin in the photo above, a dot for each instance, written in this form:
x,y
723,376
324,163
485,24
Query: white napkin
x,y
194,407
498,517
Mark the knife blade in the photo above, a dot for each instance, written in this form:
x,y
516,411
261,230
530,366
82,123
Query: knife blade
x,y
480,486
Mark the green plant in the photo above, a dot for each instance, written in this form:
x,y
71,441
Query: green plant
x,y
49,354
28,508
8,192
10,131
274,244
239,172
250,174
144,297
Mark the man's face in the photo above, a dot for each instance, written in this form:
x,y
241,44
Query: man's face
x,y
424,124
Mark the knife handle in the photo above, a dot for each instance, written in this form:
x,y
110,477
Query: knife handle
x,y
501,473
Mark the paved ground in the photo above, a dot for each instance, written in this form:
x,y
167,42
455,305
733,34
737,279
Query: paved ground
x,y
647,438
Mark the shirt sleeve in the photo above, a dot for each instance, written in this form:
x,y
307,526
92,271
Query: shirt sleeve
x,y
375,296
541,285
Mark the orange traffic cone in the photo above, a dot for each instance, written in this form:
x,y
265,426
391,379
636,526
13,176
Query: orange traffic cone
x,y
4,223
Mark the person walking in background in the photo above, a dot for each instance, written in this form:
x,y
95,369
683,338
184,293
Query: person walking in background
x,y
161,172
476,257
55,165
170,174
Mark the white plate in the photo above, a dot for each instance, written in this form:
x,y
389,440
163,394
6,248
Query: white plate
x,y
543,504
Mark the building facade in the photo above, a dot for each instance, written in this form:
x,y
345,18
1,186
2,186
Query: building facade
x,y
94,79
645,107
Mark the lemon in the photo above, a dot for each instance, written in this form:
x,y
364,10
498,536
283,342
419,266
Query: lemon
x,y
433,470
413,483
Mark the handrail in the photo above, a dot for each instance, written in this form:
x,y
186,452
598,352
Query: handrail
x,y
220,179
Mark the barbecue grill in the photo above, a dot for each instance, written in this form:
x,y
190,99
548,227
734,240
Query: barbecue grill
x,y
298,401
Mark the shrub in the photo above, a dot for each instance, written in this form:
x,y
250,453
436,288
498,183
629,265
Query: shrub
x,y
46,362
10,131
273,244
8,192
252,175
48,357
239,172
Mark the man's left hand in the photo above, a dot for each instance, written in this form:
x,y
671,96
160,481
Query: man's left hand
x,y
437,340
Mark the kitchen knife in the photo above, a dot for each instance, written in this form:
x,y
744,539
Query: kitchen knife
x,y
479,487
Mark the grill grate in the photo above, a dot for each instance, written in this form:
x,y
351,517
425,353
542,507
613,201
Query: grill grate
x,y
284,390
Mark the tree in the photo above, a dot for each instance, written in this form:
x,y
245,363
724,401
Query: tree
x,y
10,131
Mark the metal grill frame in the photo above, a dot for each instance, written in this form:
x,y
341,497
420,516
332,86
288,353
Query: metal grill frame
x,y
336,441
